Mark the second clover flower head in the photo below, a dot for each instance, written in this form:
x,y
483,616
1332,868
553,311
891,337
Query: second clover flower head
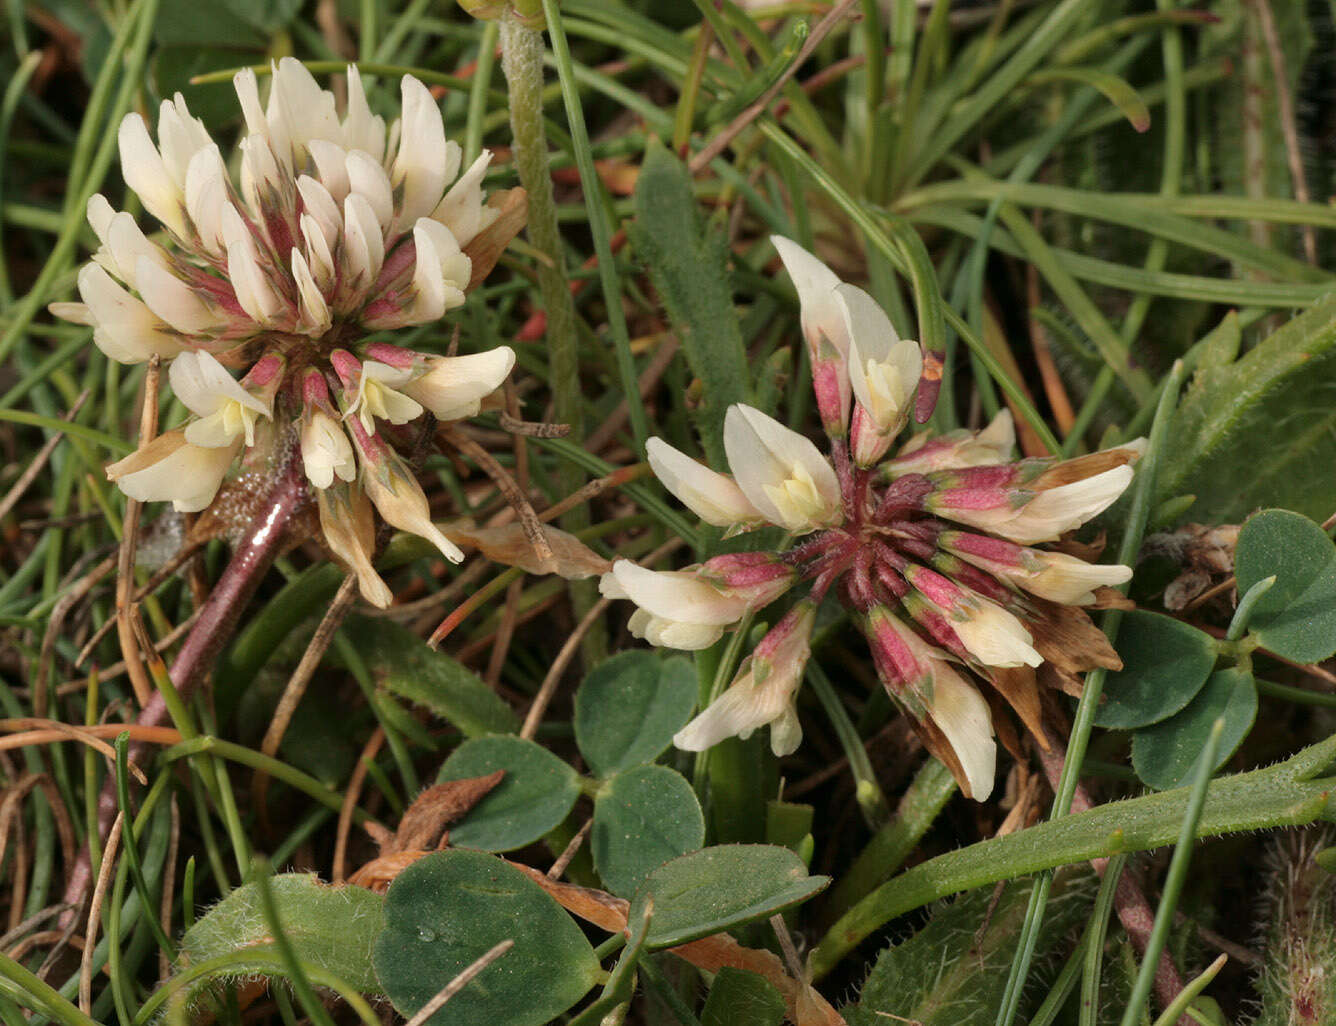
x,y
929,548
268,286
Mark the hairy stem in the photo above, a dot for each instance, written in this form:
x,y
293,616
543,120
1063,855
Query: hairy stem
x,y
522,61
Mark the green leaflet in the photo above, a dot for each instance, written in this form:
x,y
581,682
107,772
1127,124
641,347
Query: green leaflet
x,y
953,971
1259,432
331,928
690,271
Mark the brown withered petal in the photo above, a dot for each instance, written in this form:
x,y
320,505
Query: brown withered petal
x,y
379,873
488,245
1110,598
435,809
1019,686
1004,727
1069,641
1083,467
1053,679
571,558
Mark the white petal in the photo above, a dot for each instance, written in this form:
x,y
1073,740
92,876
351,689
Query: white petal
x,y
145,173
171,468
441,267
1072,581
765,455
124,327
264,182
685,637
180,136
319,256
74,313
363,245
100,213
248,92
462,209
251,284
677,595
299,110
175,301
421,168
368,179
204,385
331,165
454,386
361,129
318,203
995,637
326,451
313,312
714,497
1054,512
961,713
207,197
125,246
816,284
895,365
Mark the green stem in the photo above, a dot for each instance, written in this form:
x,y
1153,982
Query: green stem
x,y
928,793
522,61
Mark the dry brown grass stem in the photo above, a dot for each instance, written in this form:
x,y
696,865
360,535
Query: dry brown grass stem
x,y
126,607
95,914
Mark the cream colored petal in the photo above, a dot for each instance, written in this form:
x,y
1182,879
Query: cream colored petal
x,y
368,179
248,93
319,205
421,166
126,246
174,301
251,284
677,595
180,137
304,110
361,129
685,637
714,497
331,164
454,386
207,196
883,368
765,455
313,318
1065,508
99,213
319,256
326,451
995,637
203,385
145,173
815,283
402,504
961,713
170,468
124,327
462,209
363,244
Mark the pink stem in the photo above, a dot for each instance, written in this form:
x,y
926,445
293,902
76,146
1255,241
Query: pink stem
x,y
263,541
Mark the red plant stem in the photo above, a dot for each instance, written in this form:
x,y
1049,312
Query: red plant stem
x,y
264,539
1134,911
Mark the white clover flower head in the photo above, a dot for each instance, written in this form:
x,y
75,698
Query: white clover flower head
x,y
927,546
266,287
